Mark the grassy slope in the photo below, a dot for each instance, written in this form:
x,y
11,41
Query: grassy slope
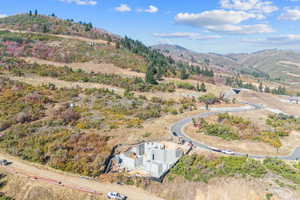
x,y
54,25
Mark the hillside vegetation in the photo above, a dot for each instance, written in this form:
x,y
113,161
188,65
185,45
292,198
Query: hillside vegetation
x,y
200,168
124,52
230,127
52,24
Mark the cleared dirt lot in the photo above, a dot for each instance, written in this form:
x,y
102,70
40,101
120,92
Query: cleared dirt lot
x,y
271,101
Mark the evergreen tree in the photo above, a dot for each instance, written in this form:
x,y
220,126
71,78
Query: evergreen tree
x,y
267,89
45,29
183,74
203,87
150,75
30,13
118,46
260,87
198,87
36,12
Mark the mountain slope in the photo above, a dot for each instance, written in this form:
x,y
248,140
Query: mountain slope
x,y
281,64
278,64
179,53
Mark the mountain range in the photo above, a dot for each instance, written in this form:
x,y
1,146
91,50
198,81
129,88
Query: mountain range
x,y
278,64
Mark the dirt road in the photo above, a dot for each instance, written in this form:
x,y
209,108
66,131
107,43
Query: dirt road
x,y
42,174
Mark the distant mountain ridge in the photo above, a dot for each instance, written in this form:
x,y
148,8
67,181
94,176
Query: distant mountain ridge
x,y
278,64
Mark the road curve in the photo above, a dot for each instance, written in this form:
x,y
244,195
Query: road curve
x,y
177,129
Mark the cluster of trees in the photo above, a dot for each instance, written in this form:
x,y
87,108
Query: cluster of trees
x,y
160,65
35,12
238,83
280,90
255,73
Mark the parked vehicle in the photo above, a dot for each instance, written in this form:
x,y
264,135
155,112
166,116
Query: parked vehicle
x,y
228,152
5,162
116,196
215,149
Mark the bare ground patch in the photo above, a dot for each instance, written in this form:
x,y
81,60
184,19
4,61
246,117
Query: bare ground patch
x,y
270,100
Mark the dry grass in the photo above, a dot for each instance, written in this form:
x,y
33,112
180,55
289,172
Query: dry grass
x,y
224,189
22,188
104,68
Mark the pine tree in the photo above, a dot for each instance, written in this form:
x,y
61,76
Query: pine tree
x,y
260,87
183,74
203,87
118,46
45,28
150,75
36,12
30,13
198,87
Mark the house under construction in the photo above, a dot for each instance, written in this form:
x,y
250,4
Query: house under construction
x,y
151,157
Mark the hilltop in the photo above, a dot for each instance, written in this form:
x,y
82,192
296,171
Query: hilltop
x,y
54,25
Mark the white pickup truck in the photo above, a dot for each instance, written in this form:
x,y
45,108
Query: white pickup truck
x,y
116,196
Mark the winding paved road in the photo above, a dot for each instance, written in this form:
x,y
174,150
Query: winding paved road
x,y
177,129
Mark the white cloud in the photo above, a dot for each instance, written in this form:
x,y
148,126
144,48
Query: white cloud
x,y
223,21
194,36
281,40
151,9
123,8
292,14
2,15
241,29
214,17
249,5
81,2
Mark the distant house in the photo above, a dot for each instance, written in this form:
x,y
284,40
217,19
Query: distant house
x,y
150,157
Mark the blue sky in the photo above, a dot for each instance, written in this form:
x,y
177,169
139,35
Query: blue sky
x,y
221,26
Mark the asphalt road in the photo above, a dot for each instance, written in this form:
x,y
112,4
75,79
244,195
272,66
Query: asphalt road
x,y
177,129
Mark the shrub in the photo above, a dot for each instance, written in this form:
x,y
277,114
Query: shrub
x,y
208,99
219,130
201,168
279,167
185,85
69,116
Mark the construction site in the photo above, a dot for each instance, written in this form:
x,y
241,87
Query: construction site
x,y
150,159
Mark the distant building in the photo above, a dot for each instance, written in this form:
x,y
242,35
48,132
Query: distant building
x,y
150,157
